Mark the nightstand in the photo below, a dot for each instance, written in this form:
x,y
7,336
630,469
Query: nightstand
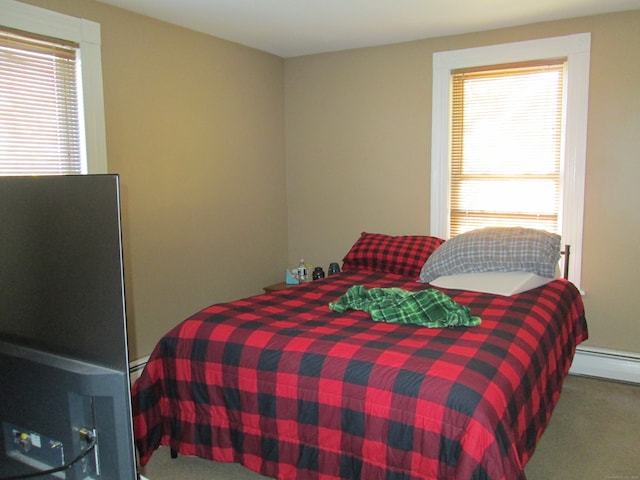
x,y
277,286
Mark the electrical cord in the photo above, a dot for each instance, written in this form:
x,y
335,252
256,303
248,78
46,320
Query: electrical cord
x,y
92,444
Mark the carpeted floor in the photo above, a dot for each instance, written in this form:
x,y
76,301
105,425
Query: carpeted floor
x,y
594,434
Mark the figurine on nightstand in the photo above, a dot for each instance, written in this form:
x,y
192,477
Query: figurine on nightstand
x,y
318,273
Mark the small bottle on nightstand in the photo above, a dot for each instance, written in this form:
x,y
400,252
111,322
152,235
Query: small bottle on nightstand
x,y
302,271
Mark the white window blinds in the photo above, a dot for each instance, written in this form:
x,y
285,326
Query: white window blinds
x,y
40,128
506,144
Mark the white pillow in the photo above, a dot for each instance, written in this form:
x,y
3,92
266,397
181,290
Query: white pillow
x,y
497,283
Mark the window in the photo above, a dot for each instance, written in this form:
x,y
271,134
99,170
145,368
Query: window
x,y
506,126
463,172
51,104
39,112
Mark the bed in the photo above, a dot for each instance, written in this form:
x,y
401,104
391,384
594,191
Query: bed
x,y
292,389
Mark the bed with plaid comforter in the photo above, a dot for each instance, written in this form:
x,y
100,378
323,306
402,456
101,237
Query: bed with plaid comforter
x,y
293,390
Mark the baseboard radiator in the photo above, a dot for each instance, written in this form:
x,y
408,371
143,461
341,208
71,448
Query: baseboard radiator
x,y
606,364
592,362
136,367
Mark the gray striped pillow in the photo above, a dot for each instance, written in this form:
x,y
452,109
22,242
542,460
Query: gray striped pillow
x,y
495,249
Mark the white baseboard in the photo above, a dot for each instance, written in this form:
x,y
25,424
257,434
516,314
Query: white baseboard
x,y
607,364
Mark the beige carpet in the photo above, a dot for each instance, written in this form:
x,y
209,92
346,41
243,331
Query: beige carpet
x,y
594,434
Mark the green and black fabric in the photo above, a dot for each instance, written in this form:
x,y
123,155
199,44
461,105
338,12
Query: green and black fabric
x,y
430,308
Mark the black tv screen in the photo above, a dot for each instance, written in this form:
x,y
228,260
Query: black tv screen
x,y
63,341
61,276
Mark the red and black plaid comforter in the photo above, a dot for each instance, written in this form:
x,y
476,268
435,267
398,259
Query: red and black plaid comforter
x,y
293,390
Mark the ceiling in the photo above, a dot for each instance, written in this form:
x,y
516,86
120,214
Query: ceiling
x,y
290,28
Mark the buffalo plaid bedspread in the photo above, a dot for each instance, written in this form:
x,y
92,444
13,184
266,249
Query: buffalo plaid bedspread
x,y
292,390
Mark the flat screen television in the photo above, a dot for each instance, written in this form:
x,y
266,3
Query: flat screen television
x,y
65,405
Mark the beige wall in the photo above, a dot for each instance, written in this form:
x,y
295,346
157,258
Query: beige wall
x,y
359,143
195,128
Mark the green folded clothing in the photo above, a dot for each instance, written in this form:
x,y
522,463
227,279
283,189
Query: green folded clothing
x,y
430,308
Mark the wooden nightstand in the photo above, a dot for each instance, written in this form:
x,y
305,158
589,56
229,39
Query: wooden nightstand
x,y
277,286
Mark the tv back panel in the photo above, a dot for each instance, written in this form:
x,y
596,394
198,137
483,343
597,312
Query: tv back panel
x,y
64,370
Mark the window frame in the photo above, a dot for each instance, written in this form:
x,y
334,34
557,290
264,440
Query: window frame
x,y
576,48
86,34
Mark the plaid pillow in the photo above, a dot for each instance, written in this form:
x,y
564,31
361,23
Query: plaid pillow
x,y
496,249
404,255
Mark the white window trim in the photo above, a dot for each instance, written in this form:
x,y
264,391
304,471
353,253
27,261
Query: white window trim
x,y
576,48
86,33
